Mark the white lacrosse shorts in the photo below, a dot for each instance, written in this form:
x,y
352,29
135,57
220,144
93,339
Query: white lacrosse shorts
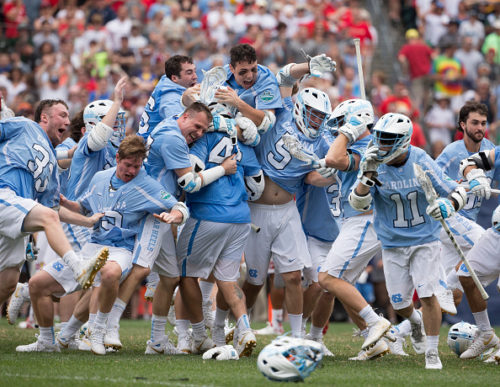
x,y
318,250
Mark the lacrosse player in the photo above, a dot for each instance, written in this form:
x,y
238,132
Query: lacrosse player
x,y
123,195
403,221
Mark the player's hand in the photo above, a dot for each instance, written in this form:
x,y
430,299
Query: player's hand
x,y
352,131
226,352
442,208
248,129
230,165
192,94
94,218
120,89
325,171
222,125
478,183
172,217
321,64
369,162
227,95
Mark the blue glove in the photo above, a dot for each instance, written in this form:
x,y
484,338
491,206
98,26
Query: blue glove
x,y
442,208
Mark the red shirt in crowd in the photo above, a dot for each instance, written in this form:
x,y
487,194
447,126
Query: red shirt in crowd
x,y
419,57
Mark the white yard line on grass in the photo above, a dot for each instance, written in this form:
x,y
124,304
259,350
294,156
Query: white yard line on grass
x,y
138,380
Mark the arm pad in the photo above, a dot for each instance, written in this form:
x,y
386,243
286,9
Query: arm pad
x,y
267,122
480,160
360,203
182,208
212,174
190,182
99,136
458,198
196,163
254,186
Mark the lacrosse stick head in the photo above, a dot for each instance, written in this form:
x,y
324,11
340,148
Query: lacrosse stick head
x,y
311,111
425,183
213,79
392,135
295,148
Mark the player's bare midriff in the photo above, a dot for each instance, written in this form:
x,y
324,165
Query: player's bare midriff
x,y
274,194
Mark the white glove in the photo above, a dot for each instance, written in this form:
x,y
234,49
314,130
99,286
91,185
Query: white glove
x,y
249,131
352,132
442,208
325,171
226,352
479,184
320,64
222,125
5,112
369,162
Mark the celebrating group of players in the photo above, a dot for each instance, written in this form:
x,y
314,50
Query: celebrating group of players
x,y
327,188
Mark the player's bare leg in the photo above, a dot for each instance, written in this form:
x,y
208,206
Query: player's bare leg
x,y
8,280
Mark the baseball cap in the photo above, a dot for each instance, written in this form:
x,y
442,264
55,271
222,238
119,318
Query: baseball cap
x,y
412,33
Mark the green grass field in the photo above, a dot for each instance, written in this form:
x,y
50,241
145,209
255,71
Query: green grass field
x,y
132,367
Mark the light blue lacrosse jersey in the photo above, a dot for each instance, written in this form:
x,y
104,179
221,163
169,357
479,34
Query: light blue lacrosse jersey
x,y
277,163
224,200
347,180
28,164
317,219
168,151
64,176
263,95
450,159
124,206
165,102
400,204
85,164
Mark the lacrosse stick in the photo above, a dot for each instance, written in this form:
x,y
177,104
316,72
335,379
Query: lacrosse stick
x,y
466,185
213,79
295,148
255,228
431,196
360,68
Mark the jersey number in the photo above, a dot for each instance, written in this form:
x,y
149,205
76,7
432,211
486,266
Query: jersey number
x,y
221,151
111,219
415,217
333,191
37,167
144,124
283,158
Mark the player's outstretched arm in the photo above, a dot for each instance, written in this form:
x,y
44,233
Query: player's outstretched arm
x,y
110,117
71,217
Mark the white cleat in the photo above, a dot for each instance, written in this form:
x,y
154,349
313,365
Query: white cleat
x,y
229,334
85,271
418,337
489,356
326,351
38,346
112,339
245,344
71,344
201,344
378,350
163,347
184,343
270,329
17,300
445,299
376,331
432,361
218,336
397,347
97,341
483,341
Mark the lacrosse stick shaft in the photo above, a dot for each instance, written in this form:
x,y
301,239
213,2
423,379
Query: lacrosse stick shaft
x,y
493,190
357,45
465,260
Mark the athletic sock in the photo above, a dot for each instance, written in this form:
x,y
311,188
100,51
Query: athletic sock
x,y
47,334
482,320
220,317
116,313
296,324
70,328
199,329
277,317
206,290
415,318
369,315
316,332
158,324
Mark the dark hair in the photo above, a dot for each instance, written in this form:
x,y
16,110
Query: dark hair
x,y
471,107
76,125
173,65
242,53
46,104
132,147
197,107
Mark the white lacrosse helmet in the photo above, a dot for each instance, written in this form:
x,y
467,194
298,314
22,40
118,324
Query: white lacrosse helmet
x,y
352,111
311,110
495,219
289,359
95,111
392,135
461,336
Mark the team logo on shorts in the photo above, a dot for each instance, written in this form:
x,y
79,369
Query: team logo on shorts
x,y
165,195
252,273
266,96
